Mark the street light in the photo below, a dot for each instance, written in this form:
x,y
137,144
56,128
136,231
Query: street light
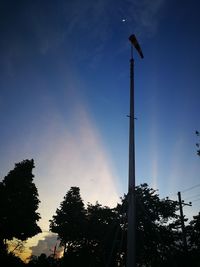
x,y
131,230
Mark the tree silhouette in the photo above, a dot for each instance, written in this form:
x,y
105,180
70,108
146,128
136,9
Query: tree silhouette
x,y
69,221
41,261
19,202
194,230
96,235
156,236
11,260
102,237
86,234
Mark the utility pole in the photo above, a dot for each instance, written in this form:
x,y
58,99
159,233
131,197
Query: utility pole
x,y
181,203
131,231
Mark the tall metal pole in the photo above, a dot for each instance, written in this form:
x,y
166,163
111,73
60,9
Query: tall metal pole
x,y
131,262
131,230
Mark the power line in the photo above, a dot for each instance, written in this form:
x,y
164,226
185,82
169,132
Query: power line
x,y
185,190
192,196
196,200
190,188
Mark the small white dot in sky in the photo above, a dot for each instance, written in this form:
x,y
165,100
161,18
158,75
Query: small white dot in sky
x,y
123,20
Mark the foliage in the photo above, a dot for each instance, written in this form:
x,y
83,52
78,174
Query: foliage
x,y
69,221
194,230
155,234
9,259
103,225
42,261
16,246
19,202
96,235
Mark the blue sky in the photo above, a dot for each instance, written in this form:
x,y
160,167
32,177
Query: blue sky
x,y
64,96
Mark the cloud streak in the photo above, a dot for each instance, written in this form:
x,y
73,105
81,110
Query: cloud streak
x,y
74,157
147,16
70,24
68,151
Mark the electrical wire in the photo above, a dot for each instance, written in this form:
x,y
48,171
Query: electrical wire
x,y
196,200
185,190
188,198
190,188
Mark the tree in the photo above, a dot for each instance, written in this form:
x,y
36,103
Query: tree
x,y
11,260
40,261
156,236
102,235
69,221
86,234
195,232
193,241
19,202
96,236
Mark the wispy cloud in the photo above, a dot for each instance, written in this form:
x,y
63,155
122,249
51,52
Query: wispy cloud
x,y
154,155
146,16
73,25
74,157
67,152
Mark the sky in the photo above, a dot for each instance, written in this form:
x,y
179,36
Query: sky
x,y
64,97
